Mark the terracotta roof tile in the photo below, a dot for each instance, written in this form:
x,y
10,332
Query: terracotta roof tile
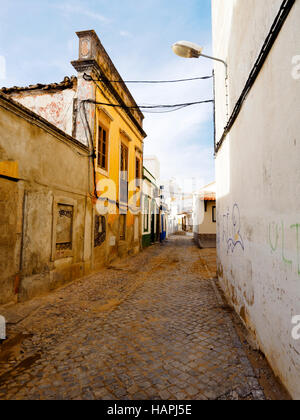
x,y
67,83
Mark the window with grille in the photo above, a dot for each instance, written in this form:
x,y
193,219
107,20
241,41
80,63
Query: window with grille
x,y
124,162
103,148
64,227
100,231
124,174
138,172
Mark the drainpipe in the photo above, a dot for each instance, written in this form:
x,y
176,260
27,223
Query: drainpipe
x,y
214,116
18,277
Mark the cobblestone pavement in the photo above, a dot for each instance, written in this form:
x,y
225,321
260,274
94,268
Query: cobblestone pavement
x,y
149,327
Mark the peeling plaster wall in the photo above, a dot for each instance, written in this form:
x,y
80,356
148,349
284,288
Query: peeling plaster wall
x,y
50,168
258,179
56,107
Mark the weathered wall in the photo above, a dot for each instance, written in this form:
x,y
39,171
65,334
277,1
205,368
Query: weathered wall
x,y
258,179
10,237
55,106
51,167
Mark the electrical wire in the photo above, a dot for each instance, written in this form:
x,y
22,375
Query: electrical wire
x,y
147,109
164,112
173,107
89,78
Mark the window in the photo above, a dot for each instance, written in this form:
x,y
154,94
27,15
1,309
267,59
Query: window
x,y
214,219
124,174
64,216
64,227
146,214
138,172
103,148
124,162
100,231
122,227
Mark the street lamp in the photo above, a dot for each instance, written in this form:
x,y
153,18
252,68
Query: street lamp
x,y
188,49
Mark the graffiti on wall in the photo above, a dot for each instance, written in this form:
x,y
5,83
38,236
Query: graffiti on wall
x,y
231,235
277,241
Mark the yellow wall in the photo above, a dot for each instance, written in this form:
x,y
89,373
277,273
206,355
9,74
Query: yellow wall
x,y
9,169
208,226
121,129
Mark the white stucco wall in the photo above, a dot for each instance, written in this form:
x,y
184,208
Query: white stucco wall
x,y
258,179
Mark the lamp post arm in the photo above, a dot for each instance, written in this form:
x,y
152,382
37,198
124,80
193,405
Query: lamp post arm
x,y
217,59
226,79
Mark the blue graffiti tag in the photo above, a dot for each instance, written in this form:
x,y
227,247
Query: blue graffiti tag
x,y
231,233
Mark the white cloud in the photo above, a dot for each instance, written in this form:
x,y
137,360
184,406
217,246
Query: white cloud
x,y
125,34
69,9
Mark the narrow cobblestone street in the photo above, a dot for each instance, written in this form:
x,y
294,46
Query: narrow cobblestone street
x,y
151,326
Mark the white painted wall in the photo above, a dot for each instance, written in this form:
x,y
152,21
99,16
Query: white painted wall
x,y
258,179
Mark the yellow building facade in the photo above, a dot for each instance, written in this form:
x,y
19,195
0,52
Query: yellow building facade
x,y
116,135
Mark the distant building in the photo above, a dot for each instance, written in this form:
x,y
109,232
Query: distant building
x,y
164,215
186,221
154,206
152,164
173,216
150,210
205,217
171,200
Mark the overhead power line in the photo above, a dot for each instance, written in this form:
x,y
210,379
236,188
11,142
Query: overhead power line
x,y
164,112
89,78
149,108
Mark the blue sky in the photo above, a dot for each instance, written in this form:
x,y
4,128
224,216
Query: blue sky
x,y
38,41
